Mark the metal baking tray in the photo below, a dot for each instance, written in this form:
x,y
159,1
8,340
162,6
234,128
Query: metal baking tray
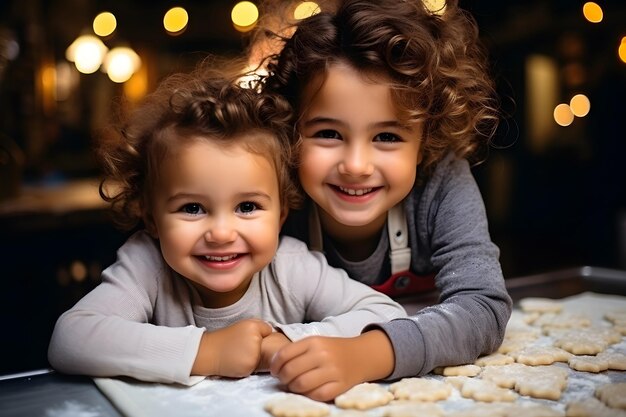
x,y
556,284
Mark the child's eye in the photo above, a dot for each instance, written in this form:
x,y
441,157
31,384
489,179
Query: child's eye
x,y
247,207
327,134
192,208
387,137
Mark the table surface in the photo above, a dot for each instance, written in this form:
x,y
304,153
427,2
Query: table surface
x,y
50,394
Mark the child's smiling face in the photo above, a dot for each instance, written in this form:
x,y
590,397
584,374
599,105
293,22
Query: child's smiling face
x,y
358,159
217,214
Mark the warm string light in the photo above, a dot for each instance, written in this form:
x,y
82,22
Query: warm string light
x,y
579,106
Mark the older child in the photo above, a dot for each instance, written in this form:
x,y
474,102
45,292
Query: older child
x,y
205,165
392,101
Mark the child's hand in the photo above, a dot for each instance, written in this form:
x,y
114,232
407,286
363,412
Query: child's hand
x,y
270,345
234,351
323,367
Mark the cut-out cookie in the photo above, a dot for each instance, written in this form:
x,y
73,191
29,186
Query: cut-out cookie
x,y
563,320
592,407
485,391
364,396
511,345
588,341
494,359
412,409
420,389
540,355
546,382
613,395
615,360
616,316
294,405
540,305
588,363
459,370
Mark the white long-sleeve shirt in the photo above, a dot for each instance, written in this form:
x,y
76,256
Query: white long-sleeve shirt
x,y
145,321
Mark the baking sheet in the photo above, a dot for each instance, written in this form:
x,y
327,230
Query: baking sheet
x,y
246,397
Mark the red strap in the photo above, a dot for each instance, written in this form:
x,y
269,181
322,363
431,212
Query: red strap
x,y
406,282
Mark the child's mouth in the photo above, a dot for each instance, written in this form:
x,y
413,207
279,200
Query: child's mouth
x,y
224,258
355,191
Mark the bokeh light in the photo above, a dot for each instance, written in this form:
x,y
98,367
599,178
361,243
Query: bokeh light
x,y
580,105
306,9
244,15
563,115
175,20
120,64
87,53
593,12
621,51
436,6
104,24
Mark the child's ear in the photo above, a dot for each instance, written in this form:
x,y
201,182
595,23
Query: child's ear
x,y
283,215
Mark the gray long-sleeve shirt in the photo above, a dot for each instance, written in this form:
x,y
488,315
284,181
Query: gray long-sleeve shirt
x,y
145,321
448,234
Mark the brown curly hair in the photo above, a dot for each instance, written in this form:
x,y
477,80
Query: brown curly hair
x,y
434,64
207,103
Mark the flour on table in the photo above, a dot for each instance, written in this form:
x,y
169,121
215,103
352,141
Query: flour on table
x,y
506,410
412,409
364,396
293,405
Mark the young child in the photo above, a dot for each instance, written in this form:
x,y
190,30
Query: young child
x,y
392,101
207,288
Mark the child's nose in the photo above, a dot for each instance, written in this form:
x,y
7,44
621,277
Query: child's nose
x,y
356,161
221,230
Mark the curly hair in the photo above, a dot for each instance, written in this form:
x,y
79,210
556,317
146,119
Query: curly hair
x,y
434,64
208,104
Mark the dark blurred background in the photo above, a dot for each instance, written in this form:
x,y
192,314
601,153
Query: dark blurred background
x,y
555,195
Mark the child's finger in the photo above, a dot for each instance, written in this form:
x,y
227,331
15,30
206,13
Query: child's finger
x,y
290,361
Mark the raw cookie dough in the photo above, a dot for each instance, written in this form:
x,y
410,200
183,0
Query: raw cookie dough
x,y
294,405
364,396
547,382
588,363
459,370
616,360
483,390
592,407
540,355
420,389
494,359
613,395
